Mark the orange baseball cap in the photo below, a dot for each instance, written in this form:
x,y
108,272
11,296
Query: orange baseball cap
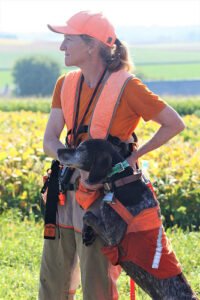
x,y
93,24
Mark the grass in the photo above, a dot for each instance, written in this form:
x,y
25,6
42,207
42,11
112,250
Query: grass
x,y
169,71
156,53
183,60
20,248
165,53
152,72
20,254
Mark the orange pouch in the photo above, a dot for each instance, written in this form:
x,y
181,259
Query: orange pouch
x,y
86,197
50,231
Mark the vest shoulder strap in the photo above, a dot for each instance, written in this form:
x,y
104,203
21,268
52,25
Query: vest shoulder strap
x,y
107,103
70,83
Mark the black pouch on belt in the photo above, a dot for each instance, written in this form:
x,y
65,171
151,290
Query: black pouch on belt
x,y
52,201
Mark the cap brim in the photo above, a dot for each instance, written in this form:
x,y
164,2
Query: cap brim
x,y
62,29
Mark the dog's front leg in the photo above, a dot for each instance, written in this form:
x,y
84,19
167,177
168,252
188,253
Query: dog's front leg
x,y
92,221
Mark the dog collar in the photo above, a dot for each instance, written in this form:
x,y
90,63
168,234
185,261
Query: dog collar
x,y
118,168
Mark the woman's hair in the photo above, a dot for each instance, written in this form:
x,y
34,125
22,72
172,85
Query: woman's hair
x,y
116,57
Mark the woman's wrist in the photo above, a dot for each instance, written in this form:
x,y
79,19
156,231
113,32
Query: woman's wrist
x,y
132,159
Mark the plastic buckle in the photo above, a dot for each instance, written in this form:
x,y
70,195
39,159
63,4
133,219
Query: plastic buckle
x,y
106,188
108,198
121,166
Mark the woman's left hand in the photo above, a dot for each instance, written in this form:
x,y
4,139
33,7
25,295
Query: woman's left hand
x,y
132,159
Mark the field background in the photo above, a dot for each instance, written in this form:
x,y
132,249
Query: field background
x,y
22,163
155,62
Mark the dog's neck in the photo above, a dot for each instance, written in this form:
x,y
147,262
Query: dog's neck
x,y
117,158
125,192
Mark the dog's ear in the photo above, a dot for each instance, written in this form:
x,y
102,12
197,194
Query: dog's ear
x,y
100,168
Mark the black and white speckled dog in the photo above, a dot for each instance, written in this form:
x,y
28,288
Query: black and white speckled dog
x,y
98,157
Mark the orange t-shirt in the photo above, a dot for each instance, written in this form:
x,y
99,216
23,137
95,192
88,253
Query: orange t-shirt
x,y
136,101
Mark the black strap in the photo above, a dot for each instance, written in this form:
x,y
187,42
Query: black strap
x,y
75,129
52,196
81,129
125,149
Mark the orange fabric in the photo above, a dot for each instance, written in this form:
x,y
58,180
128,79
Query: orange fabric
x,y
140,248
69,227
69,90
141,222
92,24
137,101
86,197
50,231
61,199
107,104
109,97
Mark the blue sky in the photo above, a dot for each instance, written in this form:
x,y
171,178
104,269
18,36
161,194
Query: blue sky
x,y
33,15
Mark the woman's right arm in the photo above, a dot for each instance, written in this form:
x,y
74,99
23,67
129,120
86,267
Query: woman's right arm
x,y
55,125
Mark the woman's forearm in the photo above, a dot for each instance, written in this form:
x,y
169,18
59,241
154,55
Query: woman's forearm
x,y
163,135
51,147
171,124
51,142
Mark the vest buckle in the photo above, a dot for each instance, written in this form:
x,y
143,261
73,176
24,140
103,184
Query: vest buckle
x,y
109,198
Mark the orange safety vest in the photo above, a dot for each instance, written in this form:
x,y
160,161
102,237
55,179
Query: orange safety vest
x,y
108,97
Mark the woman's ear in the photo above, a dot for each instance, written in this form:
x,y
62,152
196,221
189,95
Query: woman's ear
x,y
100,168
93,47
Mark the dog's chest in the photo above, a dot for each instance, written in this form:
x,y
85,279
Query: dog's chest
x,y
115,226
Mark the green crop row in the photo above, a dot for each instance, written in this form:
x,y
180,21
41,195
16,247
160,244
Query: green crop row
x,y
183,105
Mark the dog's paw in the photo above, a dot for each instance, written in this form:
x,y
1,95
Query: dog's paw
x,y
88,235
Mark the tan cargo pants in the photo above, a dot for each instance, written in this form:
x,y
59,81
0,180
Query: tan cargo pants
x,y
59,274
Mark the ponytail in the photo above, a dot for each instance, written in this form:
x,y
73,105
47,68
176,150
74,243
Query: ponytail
x,y
116,58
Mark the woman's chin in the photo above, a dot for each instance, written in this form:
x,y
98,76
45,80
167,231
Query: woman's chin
x,y
67,62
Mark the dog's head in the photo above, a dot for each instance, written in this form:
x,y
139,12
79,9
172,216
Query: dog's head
x,y
94,156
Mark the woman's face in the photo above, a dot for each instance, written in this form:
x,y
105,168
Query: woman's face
x,y
76,50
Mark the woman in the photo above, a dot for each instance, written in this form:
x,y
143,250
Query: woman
x,y
90,43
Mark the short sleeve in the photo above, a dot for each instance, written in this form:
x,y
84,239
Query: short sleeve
x,y
56,99
142,101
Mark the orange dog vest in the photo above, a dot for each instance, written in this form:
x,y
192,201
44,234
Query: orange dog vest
x,y
86,197
145,243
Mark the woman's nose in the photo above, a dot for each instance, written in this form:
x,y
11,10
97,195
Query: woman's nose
x,y
63,46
